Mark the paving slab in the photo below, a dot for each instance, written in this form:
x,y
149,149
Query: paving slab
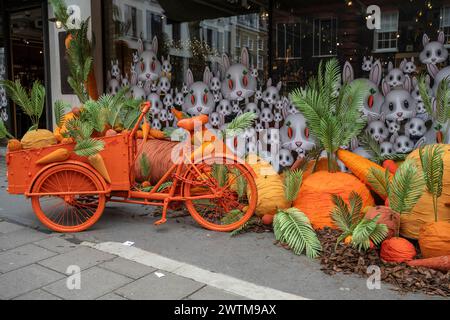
x,y
6,227
211,293
38,294
112,296
151,287
19,238
56,244
23,256
27,279
82,257
128,268
95,283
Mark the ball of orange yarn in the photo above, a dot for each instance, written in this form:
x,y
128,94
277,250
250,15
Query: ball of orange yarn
x,y
315,196
397,250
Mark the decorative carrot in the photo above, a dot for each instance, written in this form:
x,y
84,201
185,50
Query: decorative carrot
x,y
178,114
58,155
290,132
204,150
190,123
145,130
97,162
390,165
157,134
437,263
357,164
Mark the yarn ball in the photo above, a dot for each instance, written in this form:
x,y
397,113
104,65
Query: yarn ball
x,y
36,139
434,239
423,213
315,196
397,250
387,216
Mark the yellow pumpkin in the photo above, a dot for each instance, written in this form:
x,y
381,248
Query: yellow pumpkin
x,y
14,145
36,139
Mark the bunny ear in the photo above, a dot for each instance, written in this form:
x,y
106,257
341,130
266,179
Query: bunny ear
x,y
244,57
189,78
407,85
432,70
133,79
225,62
375,73
371,58
269,82
385,87
427,79
279,85
425,39
383,117
140,46
207,75
441,37
390,66
412,59
155,45
403,63
347,73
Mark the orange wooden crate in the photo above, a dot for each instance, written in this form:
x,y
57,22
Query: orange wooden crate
x,y
22,167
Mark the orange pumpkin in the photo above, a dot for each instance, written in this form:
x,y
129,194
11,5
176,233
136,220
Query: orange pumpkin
x,y
14,145
387,216
434,239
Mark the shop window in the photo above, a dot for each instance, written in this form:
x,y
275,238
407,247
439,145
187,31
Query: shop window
x,y
445,24
288,40
260,44
386,39
250,44
324,37
238,40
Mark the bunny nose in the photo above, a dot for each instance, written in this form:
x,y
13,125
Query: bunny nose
x,y
239,93
299,143
199,109
399,114
148,75
433,59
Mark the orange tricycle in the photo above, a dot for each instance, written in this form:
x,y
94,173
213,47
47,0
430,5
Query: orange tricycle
x,y
218,189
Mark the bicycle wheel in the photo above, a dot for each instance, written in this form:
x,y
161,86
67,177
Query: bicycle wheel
x,y
226,193
68,213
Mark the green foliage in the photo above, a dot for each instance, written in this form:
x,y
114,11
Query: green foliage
x,y
350,220
220,174
373,148
88,147
59,111
164,186
334,118
406,187
293,228
379,181
232,217
240,124
32,104
241,183
60,11
438,108
292,183
4,132
145,167
433,171
253,221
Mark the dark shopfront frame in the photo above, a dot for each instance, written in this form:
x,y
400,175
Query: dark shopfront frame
x,y
7,7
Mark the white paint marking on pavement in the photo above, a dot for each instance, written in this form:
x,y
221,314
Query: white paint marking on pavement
x,y
159,274
217,280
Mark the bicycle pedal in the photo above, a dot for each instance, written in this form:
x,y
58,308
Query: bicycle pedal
x,y
160,222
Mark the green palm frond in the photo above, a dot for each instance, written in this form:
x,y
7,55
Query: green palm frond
x,y
241,183
341,215
406,187
94,114
424,94
145,166
164,186
60,11
253,221
240,124
433,171
88,147
220,174
379,181
368,230
441,112
4,132
293,228
370,146
292,183
232,217
59,110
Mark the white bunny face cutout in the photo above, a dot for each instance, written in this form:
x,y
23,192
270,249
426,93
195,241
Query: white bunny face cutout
x,y
272,94
164,85
408,67
252,107
295,135
374,98
199,99
215,83
415,93
150,66
395,77
166,67
367,63
155,103
168,99
179,98
115,70
398,104
113,85
433,52
238,83
377,130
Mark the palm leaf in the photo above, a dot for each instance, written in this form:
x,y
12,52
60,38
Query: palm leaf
x,y
292,183
341,215
4,132
59,110
368,230
232,217
379,181
253,221
433,168
164,186
240,124
89,147
293,228
220,174
145,167
406,187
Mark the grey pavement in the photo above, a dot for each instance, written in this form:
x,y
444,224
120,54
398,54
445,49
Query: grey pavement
x,y
250,257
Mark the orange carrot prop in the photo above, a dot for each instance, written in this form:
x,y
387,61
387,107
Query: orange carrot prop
x,y
97,162
178,114
190,123
91,85
390,165
157,134
58,155
438,263
204,150
357,164
145,130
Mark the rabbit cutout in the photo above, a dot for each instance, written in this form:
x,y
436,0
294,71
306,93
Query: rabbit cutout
x,y
266,117
166,68
374,99
113,84
295,135
395,77
398,104
150,66
367,63
215,83
115,70
155,103
434,52
238,83
386,149
168,99
408,67
199,99
286,159
252,107
179,98
377,130
402,144
163,85
272,94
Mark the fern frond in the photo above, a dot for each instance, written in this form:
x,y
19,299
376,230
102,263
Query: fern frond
x,y
379,181
89,147
240,124
59,110
292,183
293,228
406,187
